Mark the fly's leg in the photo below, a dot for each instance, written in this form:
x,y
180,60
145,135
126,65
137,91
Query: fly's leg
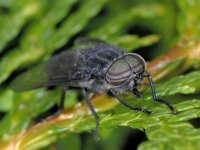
x,y
137,93
61,105
85,94
154,94
62,100
127,105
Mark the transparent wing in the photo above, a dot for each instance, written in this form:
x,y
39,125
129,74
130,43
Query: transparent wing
x,y
61,69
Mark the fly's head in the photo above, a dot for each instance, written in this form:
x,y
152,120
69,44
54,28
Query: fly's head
x,y
125,74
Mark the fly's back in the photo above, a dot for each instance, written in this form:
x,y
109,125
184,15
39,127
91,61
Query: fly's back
x,y
99,59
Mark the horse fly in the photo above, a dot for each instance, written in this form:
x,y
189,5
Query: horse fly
x,y
96,67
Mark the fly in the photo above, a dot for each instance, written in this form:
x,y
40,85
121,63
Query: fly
x,y
98,67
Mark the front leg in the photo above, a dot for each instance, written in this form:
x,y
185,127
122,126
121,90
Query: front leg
x,y
60,106
154,94
137,93
127,105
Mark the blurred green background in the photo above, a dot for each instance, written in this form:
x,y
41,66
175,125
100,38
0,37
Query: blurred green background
x,y
32,31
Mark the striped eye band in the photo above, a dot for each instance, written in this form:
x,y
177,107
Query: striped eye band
x,y
118,72
122,68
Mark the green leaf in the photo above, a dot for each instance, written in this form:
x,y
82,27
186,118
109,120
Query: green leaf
x,y
19,13
188,20
118,23
33,30
6,100
133,42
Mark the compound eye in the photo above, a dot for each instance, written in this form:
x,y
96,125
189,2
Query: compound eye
x,y
118,72
136,62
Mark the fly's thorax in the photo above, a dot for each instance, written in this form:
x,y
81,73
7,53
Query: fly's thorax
x,y
97,59
95,85
86,84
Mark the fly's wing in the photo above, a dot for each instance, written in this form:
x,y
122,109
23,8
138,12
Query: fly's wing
x,y
61,69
